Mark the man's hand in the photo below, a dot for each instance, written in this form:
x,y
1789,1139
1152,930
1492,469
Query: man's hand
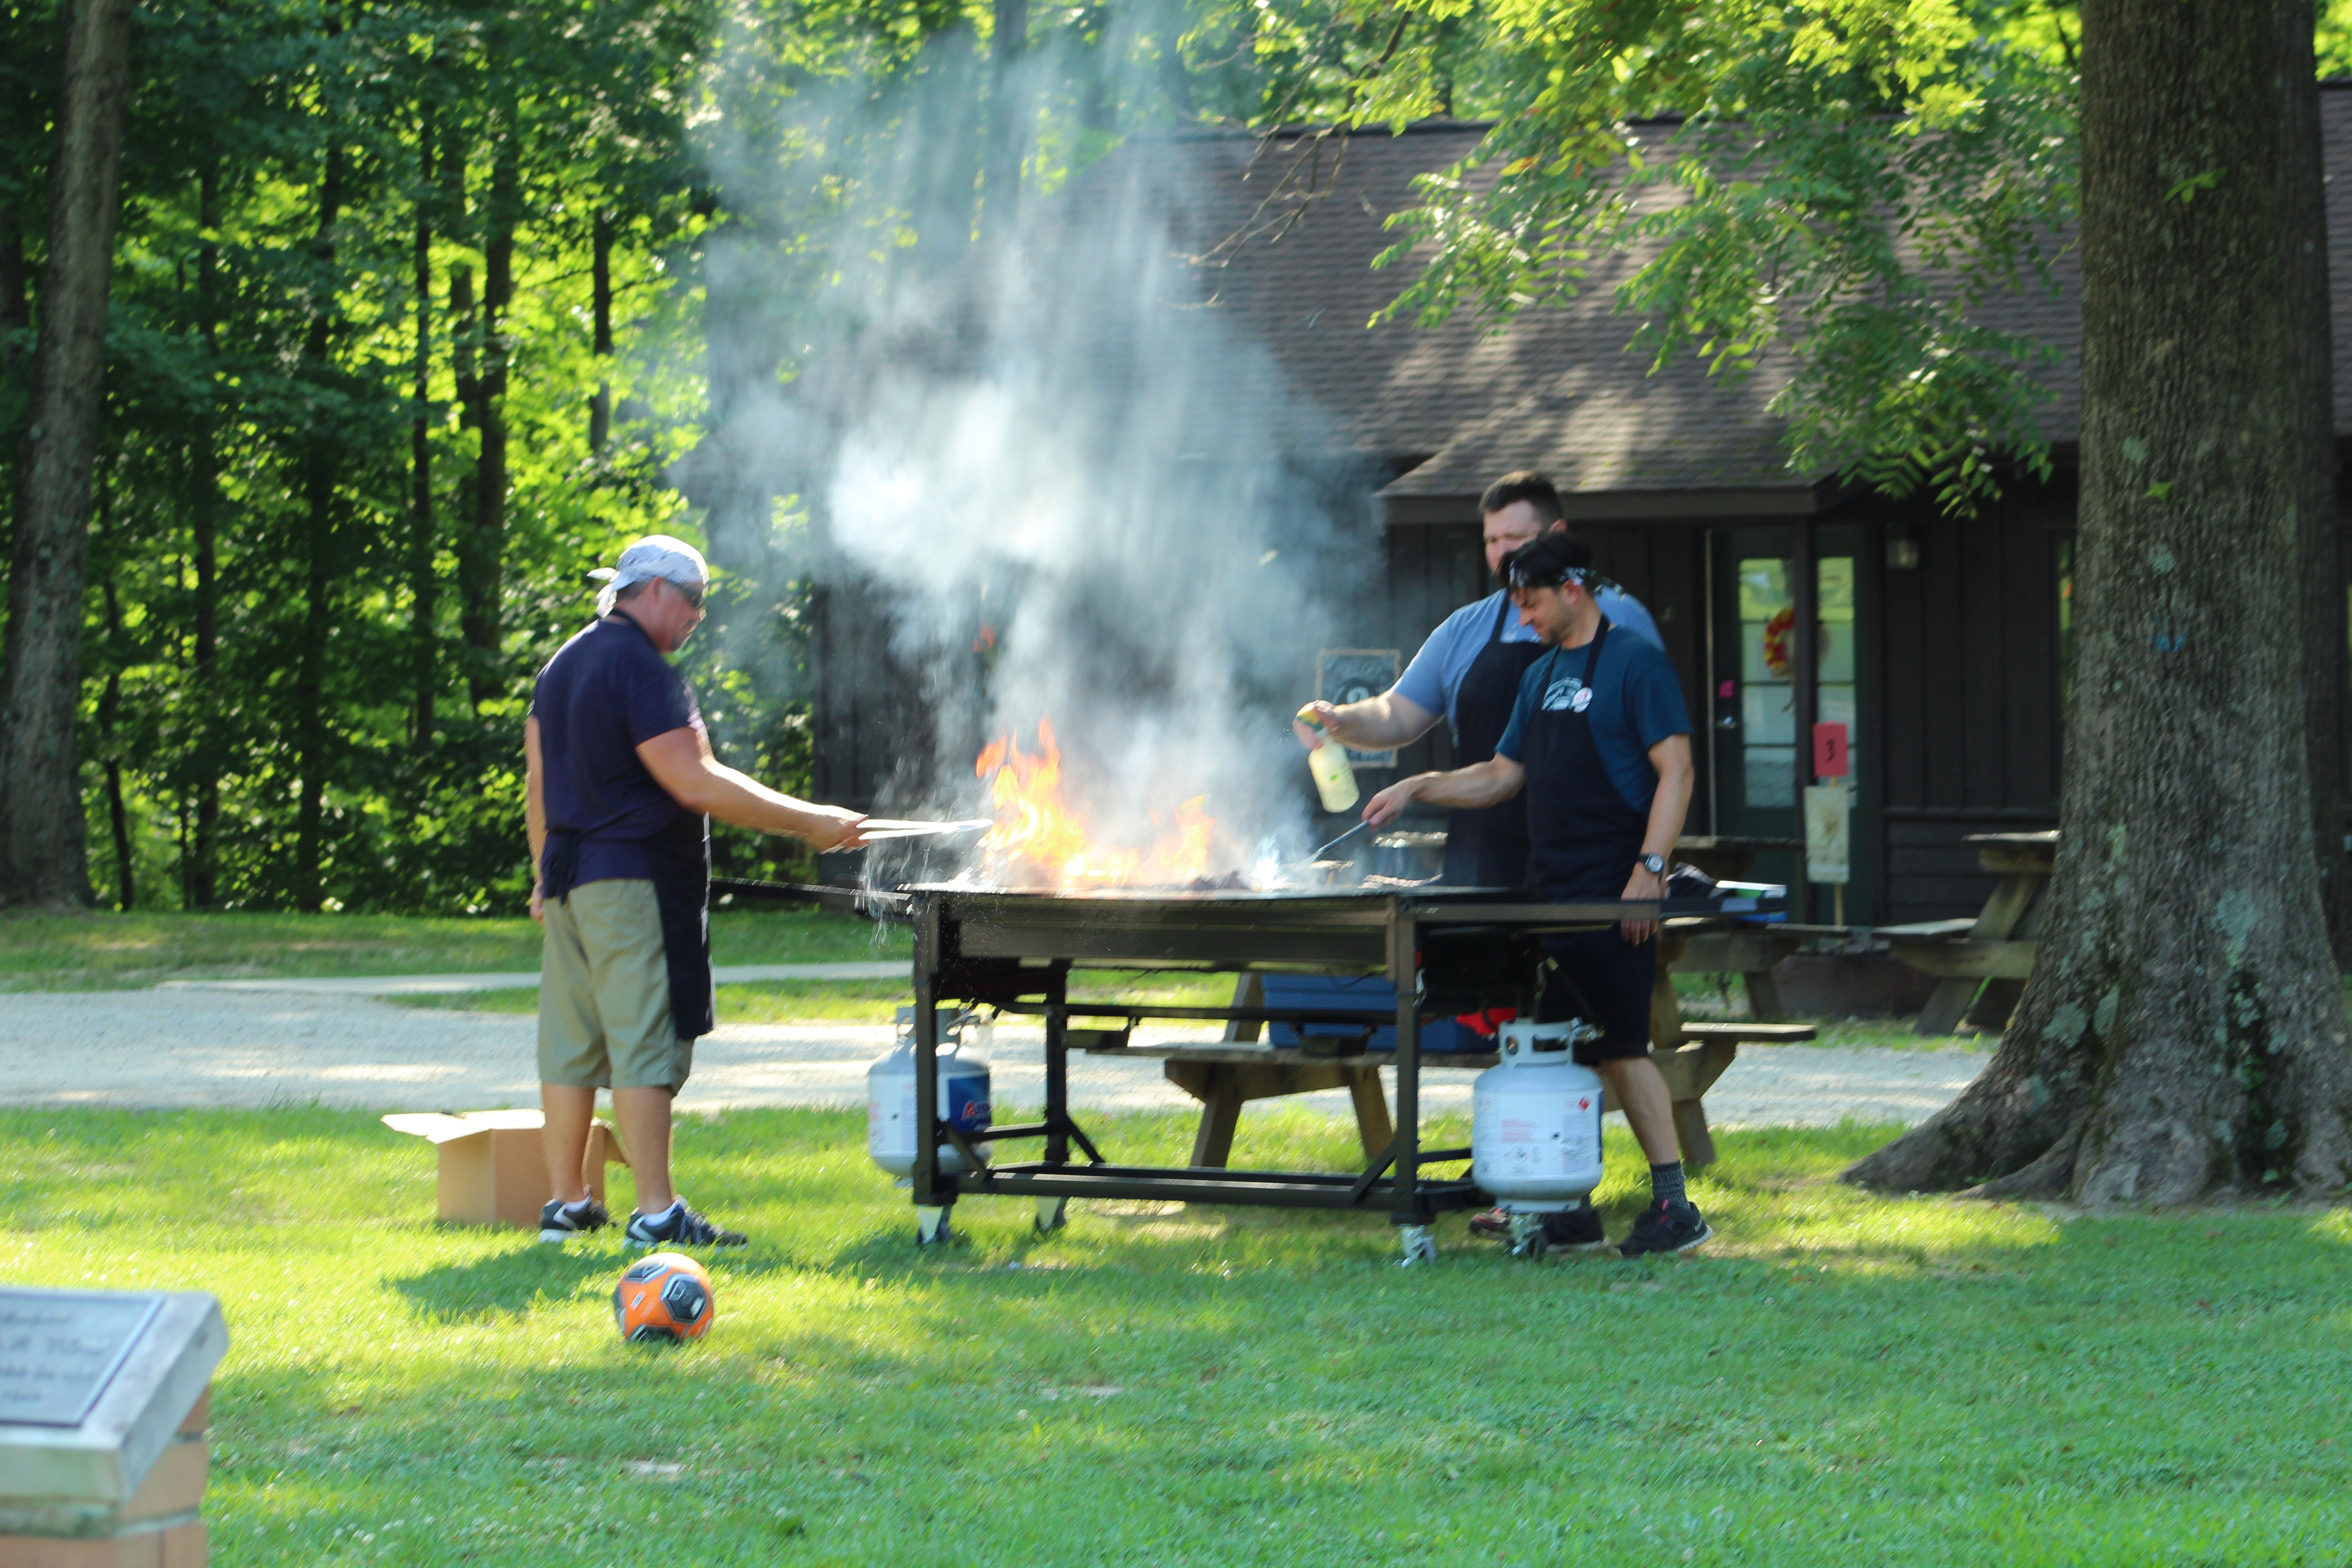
x,y
538,901
834,827
1389,804
1324,713
1642,885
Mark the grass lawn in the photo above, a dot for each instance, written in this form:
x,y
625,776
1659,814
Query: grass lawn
x,y
111,952
1840,1379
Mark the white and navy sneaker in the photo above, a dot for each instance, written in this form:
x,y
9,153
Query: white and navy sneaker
x,y
558,1222
680,1225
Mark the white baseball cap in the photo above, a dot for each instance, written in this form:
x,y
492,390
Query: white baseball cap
x,y
655,555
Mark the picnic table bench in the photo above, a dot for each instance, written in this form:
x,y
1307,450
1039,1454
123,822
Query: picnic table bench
x,y
1981,964
1231,1073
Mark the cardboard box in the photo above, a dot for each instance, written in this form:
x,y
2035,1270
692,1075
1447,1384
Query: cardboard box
x,y
492,1171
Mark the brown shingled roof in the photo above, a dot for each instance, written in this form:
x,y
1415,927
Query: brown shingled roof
x,y
1554,388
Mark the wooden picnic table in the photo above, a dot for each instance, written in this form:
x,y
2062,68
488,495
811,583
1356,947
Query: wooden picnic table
x,y
1981,964
1228,1075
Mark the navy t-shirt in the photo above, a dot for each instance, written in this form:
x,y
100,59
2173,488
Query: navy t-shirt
x,y
604,692
1636,702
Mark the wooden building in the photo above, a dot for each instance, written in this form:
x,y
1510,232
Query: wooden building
x,y
1943,641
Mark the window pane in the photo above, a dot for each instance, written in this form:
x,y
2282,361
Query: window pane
x,y
1770,775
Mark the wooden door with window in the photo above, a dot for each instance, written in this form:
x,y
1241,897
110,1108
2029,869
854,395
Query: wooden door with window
x,y
1753,746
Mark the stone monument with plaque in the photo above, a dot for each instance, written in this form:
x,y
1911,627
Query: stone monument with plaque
x,y
103,1399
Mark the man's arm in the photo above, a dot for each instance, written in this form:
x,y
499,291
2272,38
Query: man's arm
x,y
1672,758
534,815
1489,783
1375,724
681,763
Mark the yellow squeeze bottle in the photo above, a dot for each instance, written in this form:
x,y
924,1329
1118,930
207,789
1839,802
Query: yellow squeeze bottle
x,y
1335,781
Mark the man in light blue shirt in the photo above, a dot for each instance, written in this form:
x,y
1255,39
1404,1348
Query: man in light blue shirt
x,y
1468,673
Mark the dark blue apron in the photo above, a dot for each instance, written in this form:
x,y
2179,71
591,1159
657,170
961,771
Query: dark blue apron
x,y
678,858
1487,847
1585,839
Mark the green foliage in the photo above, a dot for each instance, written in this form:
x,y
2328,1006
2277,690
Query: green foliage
x,y
1825,194
1839,1378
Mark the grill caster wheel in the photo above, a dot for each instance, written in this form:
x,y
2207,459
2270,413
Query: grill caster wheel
x,y
931,1227
1419,1247
1052,1214
1527,1239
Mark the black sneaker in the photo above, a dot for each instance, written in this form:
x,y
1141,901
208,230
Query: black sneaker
x,y
559,1224
1574,1230
1667,1226
681,1226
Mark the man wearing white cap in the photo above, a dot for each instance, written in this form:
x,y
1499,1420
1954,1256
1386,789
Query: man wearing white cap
x,y
622,788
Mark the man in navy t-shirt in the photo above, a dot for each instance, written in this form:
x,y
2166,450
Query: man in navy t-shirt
x,y
1599,743
621,786
1467,672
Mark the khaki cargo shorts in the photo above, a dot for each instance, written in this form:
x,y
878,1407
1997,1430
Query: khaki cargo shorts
x,y
603,992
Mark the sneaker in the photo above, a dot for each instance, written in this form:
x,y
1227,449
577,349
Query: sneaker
x,y
558,1224
681,1226
1668,1226
1574,1230
1569,1230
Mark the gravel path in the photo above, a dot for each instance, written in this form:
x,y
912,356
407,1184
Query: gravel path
x,y
211,1046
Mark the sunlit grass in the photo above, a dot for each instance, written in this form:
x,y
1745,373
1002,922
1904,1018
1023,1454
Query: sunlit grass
x,y
108,952
1839,1378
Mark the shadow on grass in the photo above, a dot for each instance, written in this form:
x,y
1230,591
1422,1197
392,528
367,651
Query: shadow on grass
x,y
506,1285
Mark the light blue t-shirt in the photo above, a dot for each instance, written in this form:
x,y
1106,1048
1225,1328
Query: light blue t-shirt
x,y
1635,703
1432,681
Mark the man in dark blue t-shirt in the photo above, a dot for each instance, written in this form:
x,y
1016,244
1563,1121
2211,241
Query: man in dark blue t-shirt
x,y
621,786
1600,742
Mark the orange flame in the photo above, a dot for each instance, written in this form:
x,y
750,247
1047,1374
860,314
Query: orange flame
x,y
1039,841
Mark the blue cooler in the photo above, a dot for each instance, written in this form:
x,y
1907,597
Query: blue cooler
x,y
1367,993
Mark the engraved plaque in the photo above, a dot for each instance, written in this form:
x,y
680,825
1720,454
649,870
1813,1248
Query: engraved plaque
x,y
60,1349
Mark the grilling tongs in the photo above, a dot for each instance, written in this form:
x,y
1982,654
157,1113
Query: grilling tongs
x,y
878,829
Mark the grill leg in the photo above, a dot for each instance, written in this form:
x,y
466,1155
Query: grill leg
x,y
1058,1071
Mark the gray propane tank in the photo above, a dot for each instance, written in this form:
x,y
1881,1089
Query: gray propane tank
x,y
963,1094
1535,1120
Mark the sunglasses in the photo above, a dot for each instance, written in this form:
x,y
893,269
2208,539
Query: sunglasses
x,y
693,596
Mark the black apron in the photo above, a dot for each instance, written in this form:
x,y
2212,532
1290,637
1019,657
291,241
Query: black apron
x,y
679,859
1586,838
1487,847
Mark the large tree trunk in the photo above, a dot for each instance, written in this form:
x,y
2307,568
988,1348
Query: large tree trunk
x,y
2184,1031
204,522
424,589
42,855
322,448
482,579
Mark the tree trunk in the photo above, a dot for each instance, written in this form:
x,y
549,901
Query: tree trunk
x,y
203,521
485,559
2184,1031
599,266
423,590
321,447
42,853
110,705
14,316
1008,123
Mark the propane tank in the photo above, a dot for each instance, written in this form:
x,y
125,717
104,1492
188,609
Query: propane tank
x,y
1535,1127
963,1095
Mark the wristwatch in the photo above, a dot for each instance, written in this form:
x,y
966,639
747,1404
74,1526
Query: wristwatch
x,y
1655,864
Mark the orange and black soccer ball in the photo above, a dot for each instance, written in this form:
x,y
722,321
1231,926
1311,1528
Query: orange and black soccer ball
x,y
664,1296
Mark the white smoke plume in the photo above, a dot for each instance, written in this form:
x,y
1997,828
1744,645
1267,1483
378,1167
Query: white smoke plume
x,y
1075,492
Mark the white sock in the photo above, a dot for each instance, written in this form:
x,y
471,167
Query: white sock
x,y
675,1203
580,1209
